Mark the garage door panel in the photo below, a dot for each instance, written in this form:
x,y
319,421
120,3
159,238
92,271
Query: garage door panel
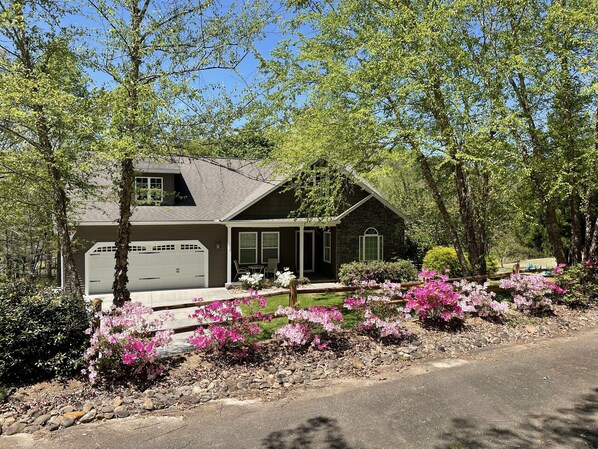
x,y
159,265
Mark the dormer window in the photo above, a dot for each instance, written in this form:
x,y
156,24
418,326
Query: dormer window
x,y
149,190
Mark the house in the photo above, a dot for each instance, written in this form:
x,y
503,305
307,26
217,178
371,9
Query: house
x,y
199,216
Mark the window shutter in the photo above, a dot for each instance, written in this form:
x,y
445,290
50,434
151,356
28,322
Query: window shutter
x,y
380,247
361,248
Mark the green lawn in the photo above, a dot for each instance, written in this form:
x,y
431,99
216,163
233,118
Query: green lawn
x,y
304,300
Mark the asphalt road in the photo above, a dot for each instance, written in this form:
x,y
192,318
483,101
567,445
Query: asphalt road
x,y
540,395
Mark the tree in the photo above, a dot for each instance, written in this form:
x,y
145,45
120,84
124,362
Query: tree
x,y
43,115
155,53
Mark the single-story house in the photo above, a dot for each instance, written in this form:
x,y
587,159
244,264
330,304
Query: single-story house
x,y
202,218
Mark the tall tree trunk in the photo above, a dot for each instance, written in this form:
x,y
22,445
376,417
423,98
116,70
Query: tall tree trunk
x,y
549,213
59,197
123,239
448,221
575,208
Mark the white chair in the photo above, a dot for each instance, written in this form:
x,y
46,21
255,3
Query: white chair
x,y
240,271
272,267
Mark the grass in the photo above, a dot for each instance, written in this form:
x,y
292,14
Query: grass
x,y
303,300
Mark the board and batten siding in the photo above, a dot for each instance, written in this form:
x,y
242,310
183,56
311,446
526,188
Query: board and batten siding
x,y
210,235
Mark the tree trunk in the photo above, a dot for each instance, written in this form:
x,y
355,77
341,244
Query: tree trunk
x,y
448,221
123,238
59,197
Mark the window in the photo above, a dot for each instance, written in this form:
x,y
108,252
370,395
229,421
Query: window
x,y
327,246
149,190
247,248
371,246
270,245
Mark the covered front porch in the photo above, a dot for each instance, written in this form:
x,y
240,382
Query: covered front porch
x,y
307,248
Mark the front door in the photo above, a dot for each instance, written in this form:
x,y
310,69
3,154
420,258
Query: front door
x,y
309,251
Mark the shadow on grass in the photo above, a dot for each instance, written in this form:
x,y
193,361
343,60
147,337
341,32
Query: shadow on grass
x,y
574,427
316,433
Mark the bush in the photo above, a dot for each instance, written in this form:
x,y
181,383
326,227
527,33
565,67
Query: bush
x,y
580,282
254,281
443,258
126,345
42,333
228,330
377,317
309,327
531,293
435,301
357,272
284,278
475,298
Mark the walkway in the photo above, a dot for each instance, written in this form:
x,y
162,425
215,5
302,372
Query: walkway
x,y
542,395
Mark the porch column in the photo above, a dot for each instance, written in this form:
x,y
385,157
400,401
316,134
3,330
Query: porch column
x,y
229,254
301,250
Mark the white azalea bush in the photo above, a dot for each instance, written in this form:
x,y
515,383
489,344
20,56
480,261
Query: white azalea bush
x,y
284,278
253,281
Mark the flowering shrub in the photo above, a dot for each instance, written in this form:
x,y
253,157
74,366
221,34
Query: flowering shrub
x,y
252,281
580,282
126,344
284,278
531,293
309,327
435,300
475,298
377,317
224,327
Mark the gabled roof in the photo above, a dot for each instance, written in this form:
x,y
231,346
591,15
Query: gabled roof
x,y
218,190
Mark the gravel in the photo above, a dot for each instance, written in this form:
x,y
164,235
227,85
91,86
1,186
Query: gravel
x,y
196,379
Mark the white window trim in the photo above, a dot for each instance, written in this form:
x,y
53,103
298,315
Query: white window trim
x,y
329,234
379,245
264,261
149,200
255,250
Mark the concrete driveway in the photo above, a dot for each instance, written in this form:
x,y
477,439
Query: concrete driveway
x,y
539,395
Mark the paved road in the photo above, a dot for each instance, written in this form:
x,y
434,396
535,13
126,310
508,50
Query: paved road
x,y
541,395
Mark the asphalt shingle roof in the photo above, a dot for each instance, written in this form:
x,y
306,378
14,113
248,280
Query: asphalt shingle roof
x,y
217,187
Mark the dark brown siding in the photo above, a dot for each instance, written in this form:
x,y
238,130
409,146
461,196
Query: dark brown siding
x,y
280,204
210,235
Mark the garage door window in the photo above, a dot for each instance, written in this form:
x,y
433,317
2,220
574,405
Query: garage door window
x,y
247,248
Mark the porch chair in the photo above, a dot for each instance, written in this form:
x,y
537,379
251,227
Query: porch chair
x,y
240,271
272,267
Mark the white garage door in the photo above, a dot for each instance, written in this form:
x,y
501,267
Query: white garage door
x,y
159,265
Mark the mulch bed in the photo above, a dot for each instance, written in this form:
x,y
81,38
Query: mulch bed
x,y
199,378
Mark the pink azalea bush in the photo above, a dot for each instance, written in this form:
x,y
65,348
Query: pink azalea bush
x,y
377,317
126,344
476,299
309,327
436,300
531,293
224,327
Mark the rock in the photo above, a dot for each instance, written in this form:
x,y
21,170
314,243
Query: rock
x,y
31,429
107,409
117,402
74,415
67,422
205,398
89,416
53,424
66,409
108,415
148,404
358,364
15,428
87,407
197,389
37,413
42,419
121,411
531,329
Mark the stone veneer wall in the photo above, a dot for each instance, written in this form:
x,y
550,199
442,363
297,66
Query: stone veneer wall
x,y
371,214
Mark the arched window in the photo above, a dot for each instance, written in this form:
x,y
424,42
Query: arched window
x,y
371,245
